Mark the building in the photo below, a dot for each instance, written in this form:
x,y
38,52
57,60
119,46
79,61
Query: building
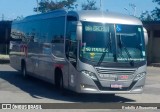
x,y
5,29
153,48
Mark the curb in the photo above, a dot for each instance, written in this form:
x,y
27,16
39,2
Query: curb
x,y
155,65
4,61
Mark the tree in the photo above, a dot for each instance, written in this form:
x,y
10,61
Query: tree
x,y
156,11
146,16
49,5
157,1
153,15
90,5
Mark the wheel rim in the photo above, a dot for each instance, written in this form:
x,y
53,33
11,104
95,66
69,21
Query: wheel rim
x,y
24,71
61,83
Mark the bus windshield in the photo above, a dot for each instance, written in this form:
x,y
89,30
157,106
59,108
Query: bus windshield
x,y
112,43
130,43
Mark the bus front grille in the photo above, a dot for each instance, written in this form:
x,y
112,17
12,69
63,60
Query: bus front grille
x,y
113,73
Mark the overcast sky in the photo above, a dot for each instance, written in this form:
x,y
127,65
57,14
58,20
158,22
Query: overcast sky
x,y
13,8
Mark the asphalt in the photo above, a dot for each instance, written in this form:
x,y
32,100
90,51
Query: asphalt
x,y
4,61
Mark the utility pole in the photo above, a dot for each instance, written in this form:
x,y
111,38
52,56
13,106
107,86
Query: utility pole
x,y
2,17
37,6
133,6
6,40
100,4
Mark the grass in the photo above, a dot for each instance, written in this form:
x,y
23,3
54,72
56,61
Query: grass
x,y
4,56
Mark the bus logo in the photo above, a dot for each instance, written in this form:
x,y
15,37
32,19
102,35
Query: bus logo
x,y
92,55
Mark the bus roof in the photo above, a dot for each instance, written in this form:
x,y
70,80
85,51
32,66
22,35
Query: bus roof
x,y
89,15
105,17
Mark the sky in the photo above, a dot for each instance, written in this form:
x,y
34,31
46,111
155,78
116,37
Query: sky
x,y
11,9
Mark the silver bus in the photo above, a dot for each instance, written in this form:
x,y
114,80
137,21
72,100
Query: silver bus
x,y
84,51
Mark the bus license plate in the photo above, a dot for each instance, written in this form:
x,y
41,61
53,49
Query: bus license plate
x,y
116,86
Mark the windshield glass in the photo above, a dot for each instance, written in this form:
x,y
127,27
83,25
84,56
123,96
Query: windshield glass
x,y
96,41
112,43
130,43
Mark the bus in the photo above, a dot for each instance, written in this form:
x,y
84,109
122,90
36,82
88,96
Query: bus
x,y
83,51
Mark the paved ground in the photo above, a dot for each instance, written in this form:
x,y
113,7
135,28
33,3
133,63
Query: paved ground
x,y
15,89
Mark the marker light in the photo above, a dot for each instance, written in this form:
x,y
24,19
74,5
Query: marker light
x,y
139,76
90,74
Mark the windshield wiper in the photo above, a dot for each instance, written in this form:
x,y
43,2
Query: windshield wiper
x,y
104,54
121,45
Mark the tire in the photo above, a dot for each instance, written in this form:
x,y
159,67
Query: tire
x,y
23,70
62,90
59,83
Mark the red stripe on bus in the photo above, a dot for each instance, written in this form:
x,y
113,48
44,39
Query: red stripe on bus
x,y
59,65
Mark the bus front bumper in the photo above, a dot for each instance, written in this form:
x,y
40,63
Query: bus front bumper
x,y
87,85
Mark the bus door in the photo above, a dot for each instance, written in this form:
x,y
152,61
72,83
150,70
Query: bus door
x,y
72,58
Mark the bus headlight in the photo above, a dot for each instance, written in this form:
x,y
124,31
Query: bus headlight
x,y
90,74
139,76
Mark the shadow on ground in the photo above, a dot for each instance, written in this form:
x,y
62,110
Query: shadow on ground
x,y
39,89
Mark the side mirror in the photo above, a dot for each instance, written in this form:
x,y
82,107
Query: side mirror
x,y
145,36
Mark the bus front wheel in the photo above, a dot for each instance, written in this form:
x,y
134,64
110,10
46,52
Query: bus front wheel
x,y
23,70
59,82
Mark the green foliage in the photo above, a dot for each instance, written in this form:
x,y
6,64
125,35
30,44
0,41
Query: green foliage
x,y
146,16
156,11
90,5
49,5
157,1
154,15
